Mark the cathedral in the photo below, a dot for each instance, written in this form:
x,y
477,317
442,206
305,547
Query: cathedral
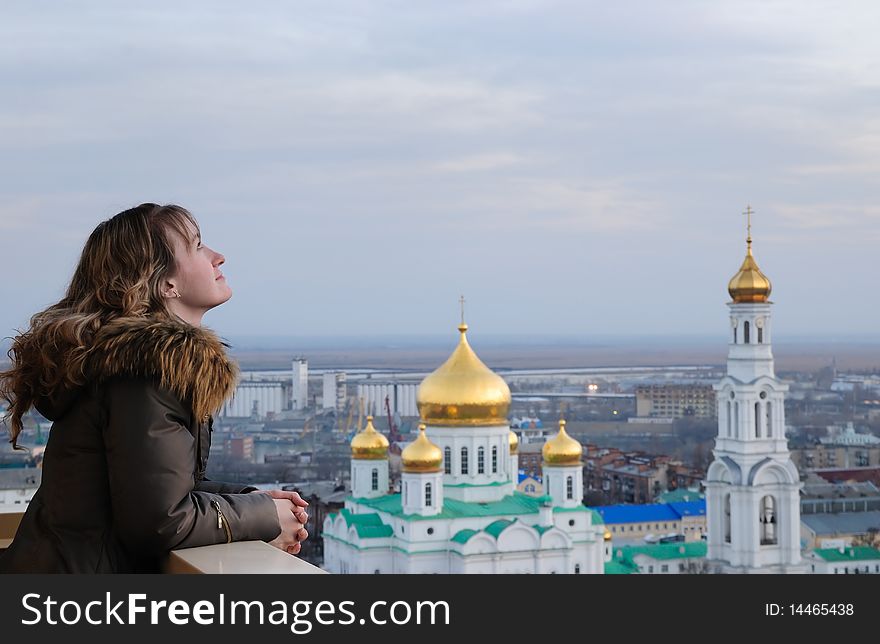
x,y
752,486
458,510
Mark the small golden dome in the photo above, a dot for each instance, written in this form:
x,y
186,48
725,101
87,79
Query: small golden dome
x,y
607,536
369,444
513,441
421,455
463,391
749,284
562,449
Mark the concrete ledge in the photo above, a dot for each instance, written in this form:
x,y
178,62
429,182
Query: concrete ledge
x,y
240,557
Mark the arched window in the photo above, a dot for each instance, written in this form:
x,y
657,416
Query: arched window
x,y
760,335
768,521
375,482
577,569
464,460
428,500
569,487
494,459
726,518
447,460
746,332
757,420
736,418
734,335
481,460
769,420
729,420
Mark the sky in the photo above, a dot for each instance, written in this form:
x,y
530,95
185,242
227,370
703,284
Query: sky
x,y
572,168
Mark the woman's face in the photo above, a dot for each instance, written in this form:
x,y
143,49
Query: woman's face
x,y
197,278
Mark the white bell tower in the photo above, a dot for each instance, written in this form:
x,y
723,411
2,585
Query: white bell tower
x,y
752,486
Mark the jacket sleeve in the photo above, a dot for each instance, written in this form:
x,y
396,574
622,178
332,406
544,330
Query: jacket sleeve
x,y
150,462
218,487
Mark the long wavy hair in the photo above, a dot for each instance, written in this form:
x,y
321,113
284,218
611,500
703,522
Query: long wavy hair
x,y
119,275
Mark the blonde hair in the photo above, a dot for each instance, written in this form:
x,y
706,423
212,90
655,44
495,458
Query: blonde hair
x,y
119,275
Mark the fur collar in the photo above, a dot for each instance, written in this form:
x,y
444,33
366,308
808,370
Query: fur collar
x,y
189,361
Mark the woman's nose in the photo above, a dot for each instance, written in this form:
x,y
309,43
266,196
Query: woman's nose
x,y
219,259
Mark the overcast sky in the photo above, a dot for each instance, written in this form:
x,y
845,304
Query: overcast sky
x,y
571,167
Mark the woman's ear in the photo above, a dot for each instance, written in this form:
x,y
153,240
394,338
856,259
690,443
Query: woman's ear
x,y
169,289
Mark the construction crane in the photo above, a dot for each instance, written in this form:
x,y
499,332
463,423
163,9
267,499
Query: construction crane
x,y
393,434
350,415
360,413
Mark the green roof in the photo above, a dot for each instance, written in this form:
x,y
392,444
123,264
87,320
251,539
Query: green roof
x,y
541,528
462,536
680,550
368,525
621,568
374,531
680,495
857,553
513,504
497,527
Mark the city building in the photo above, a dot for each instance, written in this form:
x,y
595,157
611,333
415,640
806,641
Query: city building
x,y
850,475
255,399
829,498
752,486
843,447
401,397
334,390
840,528
299,391
238,447
457,510
675,400
659,559
652,522
529,458
860,560
18,486
529,484
625,477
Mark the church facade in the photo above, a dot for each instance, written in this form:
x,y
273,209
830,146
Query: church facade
x,y
458,510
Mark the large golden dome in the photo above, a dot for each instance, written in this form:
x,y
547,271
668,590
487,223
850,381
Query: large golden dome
x,y
513,441
749,284
562,449
421,455
463,391
369,444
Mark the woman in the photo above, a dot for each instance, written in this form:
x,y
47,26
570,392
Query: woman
x,y
130,379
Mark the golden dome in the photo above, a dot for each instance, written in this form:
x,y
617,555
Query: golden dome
x,y
463,391
562,449
421,455
369,444
749,284
607,536
513,441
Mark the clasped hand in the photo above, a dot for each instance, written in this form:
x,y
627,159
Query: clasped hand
x,y
292,518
